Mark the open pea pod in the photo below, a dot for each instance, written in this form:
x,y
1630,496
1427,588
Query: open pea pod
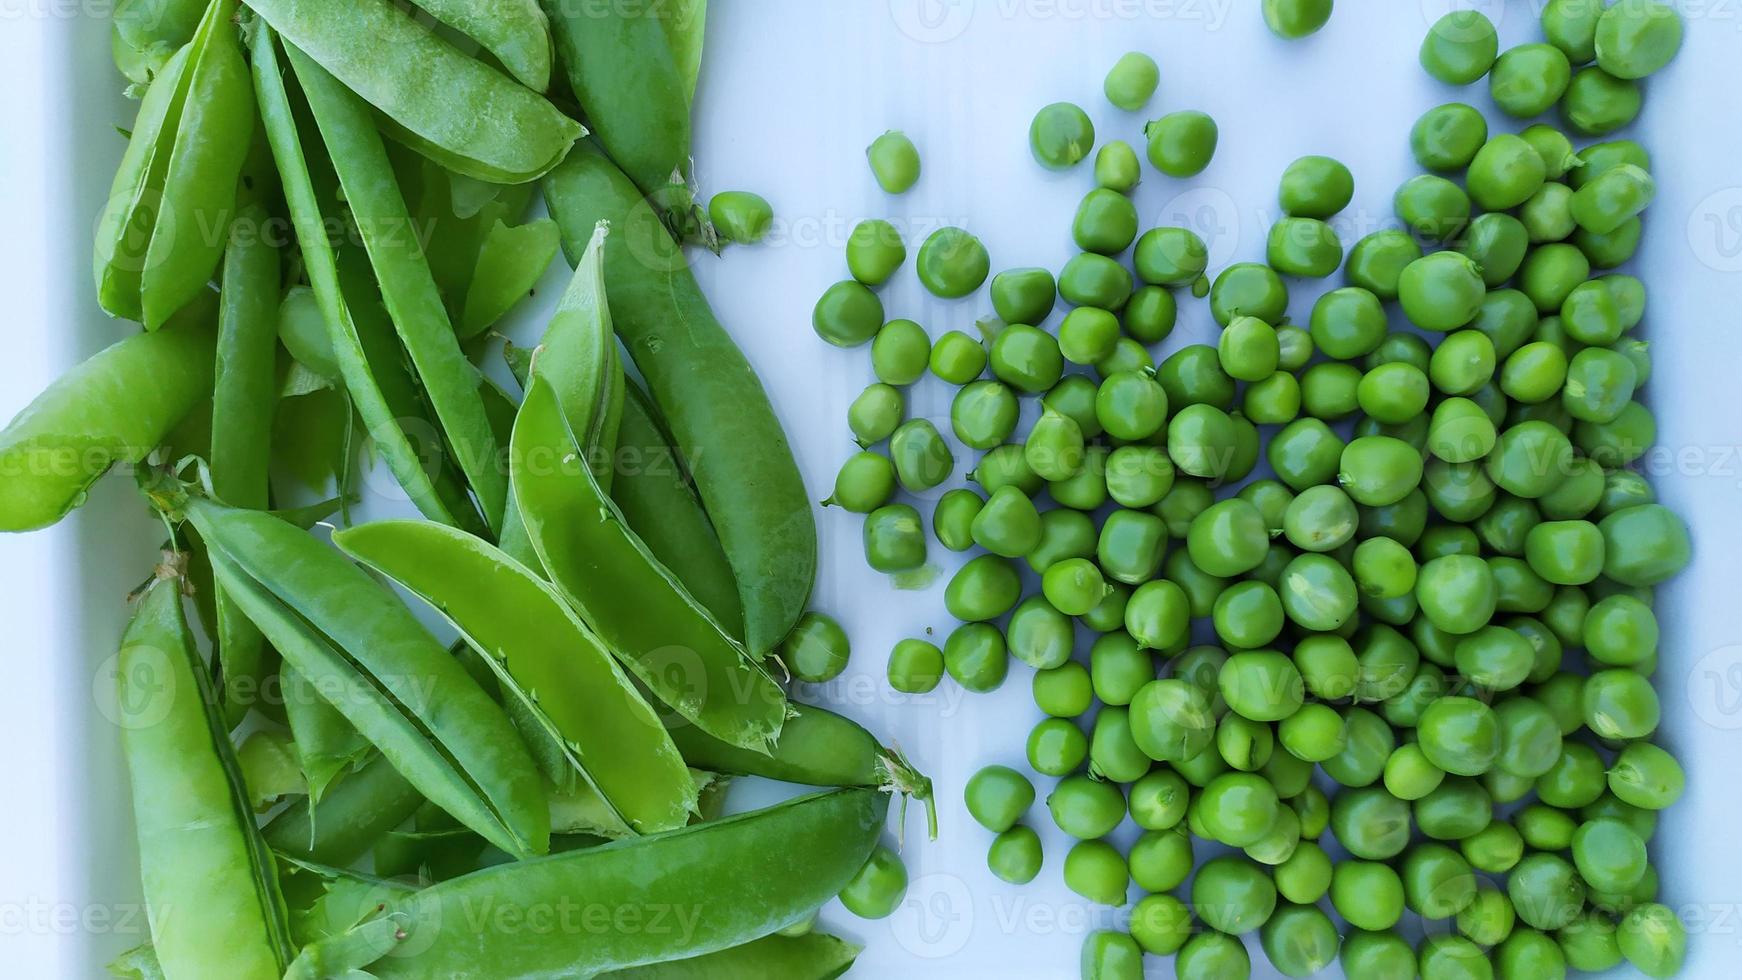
x,y
115,407
511,261
514,31
145,34
455,109
710,396
544,655
812,956
205,869
392,680
733,880
408,289
686,24
641,611
348,347
124,226
328,746
342,826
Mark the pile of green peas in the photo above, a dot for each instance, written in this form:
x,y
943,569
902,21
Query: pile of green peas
x,y
1426,631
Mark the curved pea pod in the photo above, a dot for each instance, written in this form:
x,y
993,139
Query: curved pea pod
x,y
393,681
812,956
115,407
145,34
640,610
816,748
514,31
380,415
577,356
545,655
138,963
269,769
198,846
510,262
458,111
341,827
408,289
634,89
686,24
803,851
717,409
580,809
655,496
327,745
124,227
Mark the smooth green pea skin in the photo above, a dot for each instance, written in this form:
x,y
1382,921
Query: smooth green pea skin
x,y
1608,201
1368,894
740,216
1578,496
877,890
1158,803
1393,393
1321,518
1026,358
997,797
1085,490
1111,956
1314,733
1506,171
1132,80
1116,167
1460,735
1113,754
1139,476
1369,742
848,314
1106,222
922,458
984,414
1182,143
1157,614
1534,373
1171,720
1193,375
1437,881
1597,103
1246,745
1150,314
1074,396
866,482
1621,704
894,537
1609,855
957,358
1055,446
1446,957
1456,809
1161,859
1262,685
1460,47
983,589
1377,956
1590,314
1008,524
1590,943
1092,279
1307,874
1370,823
1304,453
1086,808
1275,400
1646,776
1576,778
1495,849
1545,828
953,518
1317,592
1119,668
1248,289
1128,355
1498,243
1508,317
1460,432
1005,465
1378,470
1233,895
1292,20
1348,323
1550,273
1546,891
1635,38
1442,291
1315,187
1170,256
1131,546
1621,441
952,263
874,251
1313,809
894,162
1565,552
1248,349
976,656
1528,954
1447,137
816,651
1530,459
1211,954
1462,363
1060,136
1074,585
1654,940
1456,593
1528,79
1015,855
1600,158
900,353
1057,747
1064,691
1409,775
1300,940
1228,538
1530,739
1376,262
1303,247
1327,666
1024,295
1200,440
1088,335
915,666
1064,534
1571,25
1550,143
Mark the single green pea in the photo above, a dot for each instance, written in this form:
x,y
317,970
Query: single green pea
x,y
1111,956
1393,393
1027,358
1232,894
1248,349
877,889
1084,490
983,589
1262,685
1170,256
900,353
894,538
1621,704
1321,518
1132,80
1060,136
1064,533
1181,143
1376,262
1139,476
1546,891
1200,440
848,314
1379,470
1305,452
1158,803
1327,666
1096,870
1054,449
1347,323
1106,222
922,458
875,414
1457,594
1074,396
915,666
866,482
1074,585
1092,279
1127,355
1008,524
1488,919
1116,167
1551,272
1086,808
894,162
1292,20
1315,187
1635,38
1565,552
1212,954
1534,373
1064,691
1015,855
1304,247
1088,335
1150,314
1171,719
952,263
1497,243
984,414
1652,938
1463,363
1459,47
816,651
1248,289
1526,80
1193,375
1306,876
1608,201
1505,172
874,251
1409,774
957,358
976,656
1039,635
953,518
1571,25
1590,314
1550,143
1597,103
1131,405
1432,207
1646,776
740,216
1530,459
1024,295
1275,400
1447,137
997,797
1158,614
1248,615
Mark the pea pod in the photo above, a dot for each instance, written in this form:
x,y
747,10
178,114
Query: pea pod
x,y
242,410
813,956
114,408
146,34
685,27
457,110
540,649
450,382
125,224
578,357
393,681
328,746
635,604
802,852
198,847
717,409
511,261
323,272
661,507
340,828
514,31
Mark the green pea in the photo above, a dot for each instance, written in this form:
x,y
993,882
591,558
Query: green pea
x,y
952,263
1157,614
877,889
1248,349
1248,289
1262,685
1086,489
1128,355
900,353
1111,956
1150,314
1497,243
1086,808
997,797
1565,552
1459,47
1092,279
1040,635
1292,20
1315,187
1305,452
1095,870
1064,533
1170,256
1571,25
894,162
1463,363
1106,222
740,216
983,589
1528,79
1200,441
1064,691
915,666
1060,136
1024,295
1441,292
1233,895
1620,441
1088,335
1026,358
1376,262
894,539
1193,375
1432,207
1546,891
1505,172
975,655
1008,524
1534,373
874,251
1646,776
1139,476
1447,137
1158,803
816,651
848,314
1132,80
1304,247
1550,273
1530,459
1635,38
1608,201
953,518
1116,167
1212,954
1306,876
922,458
1550,143
1248,615
1015,855
1393,393
1275,400
1182,143
866,482
1055,446
958,358
1073,585
1597,102
984,414
1171,719
1652,938
1621,704
1379,470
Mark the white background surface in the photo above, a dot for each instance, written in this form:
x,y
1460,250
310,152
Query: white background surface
x,y
791,93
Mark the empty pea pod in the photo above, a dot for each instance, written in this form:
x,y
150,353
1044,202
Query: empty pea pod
x,y
124,225
812,956
719,414
514,31
116,407
457,110
526,633
511,261
803,851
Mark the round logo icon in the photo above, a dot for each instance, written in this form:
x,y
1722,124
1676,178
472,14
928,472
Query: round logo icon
x,y
932,21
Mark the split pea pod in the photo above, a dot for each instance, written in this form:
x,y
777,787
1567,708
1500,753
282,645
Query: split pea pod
x,y
414,303
341,827
328,746
145,34
641,611
710,396
802,853
514,31
125,224
115,407
540,649
812,956
577,356
205,869
457,110
392,680
244,377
